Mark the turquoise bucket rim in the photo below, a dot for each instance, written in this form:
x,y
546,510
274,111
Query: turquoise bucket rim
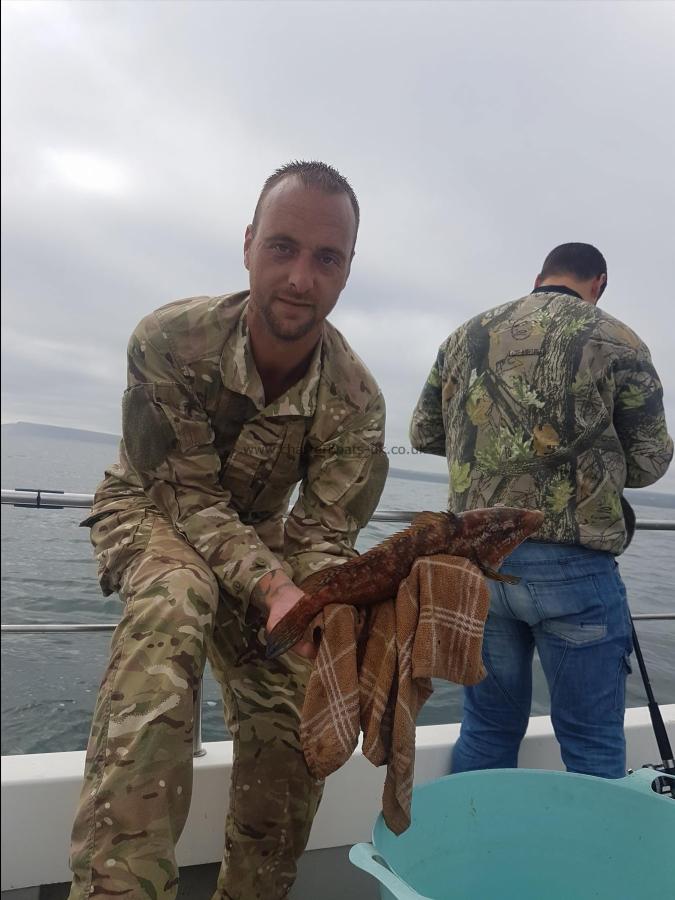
x,y
379,860
638,782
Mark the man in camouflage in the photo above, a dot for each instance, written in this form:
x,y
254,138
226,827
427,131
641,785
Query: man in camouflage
x,y
232,401
547,402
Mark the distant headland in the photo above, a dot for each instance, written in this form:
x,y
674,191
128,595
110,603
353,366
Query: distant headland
x,y
36,429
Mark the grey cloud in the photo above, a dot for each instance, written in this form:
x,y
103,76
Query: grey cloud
x,y
477,137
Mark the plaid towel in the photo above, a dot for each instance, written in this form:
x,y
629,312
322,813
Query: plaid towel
x,y
374,668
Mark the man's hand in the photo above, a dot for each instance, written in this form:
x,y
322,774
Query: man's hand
x,y
277,594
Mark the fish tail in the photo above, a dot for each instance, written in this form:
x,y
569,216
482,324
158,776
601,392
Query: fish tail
x,y
287,632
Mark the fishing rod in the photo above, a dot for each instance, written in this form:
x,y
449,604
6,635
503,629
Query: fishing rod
x,y
665,785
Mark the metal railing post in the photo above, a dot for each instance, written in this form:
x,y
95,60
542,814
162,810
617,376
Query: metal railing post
x,y
197,747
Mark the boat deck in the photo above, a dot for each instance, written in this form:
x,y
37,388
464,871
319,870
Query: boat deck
x,y
323,873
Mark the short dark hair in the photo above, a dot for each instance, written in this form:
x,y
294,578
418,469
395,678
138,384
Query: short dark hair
x,y
583,261
314,174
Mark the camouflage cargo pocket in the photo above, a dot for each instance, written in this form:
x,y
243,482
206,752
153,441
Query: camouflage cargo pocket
x,y
352,473
118,538
157,419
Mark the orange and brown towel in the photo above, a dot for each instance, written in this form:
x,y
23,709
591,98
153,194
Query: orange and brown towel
x,y
374,668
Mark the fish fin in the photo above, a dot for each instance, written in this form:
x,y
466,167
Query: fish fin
x,y
498,576
287,632
427,518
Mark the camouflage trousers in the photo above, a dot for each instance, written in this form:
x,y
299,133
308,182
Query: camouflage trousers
x,y
138,770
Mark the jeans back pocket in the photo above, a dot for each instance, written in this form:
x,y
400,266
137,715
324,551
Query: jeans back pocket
x,y
573,608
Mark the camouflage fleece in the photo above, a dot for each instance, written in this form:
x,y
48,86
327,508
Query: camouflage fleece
x,y
183,527
546,402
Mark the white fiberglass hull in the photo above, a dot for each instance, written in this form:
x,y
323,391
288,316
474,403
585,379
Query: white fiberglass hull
x,y
39,793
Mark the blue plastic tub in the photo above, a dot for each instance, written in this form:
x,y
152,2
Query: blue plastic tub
x,y
525,834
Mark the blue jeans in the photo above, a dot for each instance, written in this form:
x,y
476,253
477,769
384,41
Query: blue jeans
x,y
571,605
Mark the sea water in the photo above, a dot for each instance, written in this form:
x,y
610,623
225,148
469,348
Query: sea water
x,y
49,681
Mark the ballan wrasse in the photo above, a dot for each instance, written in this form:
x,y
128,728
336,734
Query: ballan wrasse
x,y
484,536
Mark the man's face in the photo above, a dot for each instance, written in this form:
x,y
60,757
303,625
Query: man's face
x,y
299,257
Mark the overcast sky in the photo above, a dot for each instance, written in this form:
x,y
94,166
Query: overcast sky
x,y
137,135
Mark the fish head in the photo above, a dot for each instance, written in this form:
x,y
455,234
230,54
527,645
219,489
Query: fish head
x,y
492,534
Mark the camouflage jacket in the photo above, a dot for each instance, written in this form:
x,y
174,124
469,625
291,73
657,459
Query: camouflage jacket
x,y
200,444
551,403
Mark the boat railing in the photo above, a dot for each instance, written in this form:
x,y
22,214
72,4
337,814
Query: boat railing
x,y
37,498
43,499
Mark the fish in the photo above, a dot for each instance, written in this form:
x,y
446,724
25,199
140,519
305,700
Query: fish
x,y
484,536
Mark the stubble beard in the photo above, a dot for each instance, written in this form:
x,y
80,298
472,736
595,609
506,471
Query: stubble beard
x,y
284,331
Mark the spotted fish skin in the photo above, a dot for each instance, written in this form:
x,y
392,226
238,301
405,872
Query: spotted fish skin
x,y
485,536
